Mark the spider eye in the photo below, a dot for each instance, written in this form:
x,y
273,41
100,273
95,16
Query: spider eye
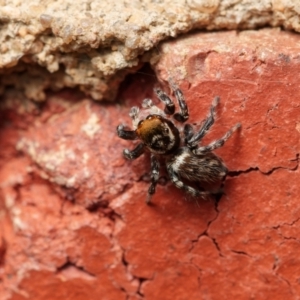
x,y
149,118
140,122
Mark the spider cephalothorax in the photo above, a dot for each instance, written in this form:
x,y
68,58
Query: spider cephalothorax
x,y
158,134
184,157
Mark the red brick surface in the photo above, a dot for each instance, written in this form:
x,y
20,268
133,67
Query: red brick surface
x,y
74,224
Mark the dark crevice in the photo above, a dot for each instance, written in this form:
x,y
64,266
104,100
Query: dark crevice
x,y
213,240
124,261
100,205
286,237
237,173
275,265
3,250
17,188
141,280
125,292
241,253
217,246
286,224
276,260
254,124
199,278
69,194
285,280
216,203
218,198
289,238
289,169
69,264
208,226
205,232
126,264
103,206
112,215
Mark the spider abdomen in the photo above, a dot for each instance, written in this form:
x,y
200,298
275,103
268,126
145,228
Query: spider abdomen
x,y
203,168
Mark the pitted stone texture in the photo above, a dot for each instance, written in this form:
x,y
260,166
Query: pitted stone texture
x,y
83,157
72,213
65,43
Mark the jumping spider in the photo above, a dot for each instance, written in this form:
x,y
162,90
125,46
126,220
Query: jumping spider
x,y
184,159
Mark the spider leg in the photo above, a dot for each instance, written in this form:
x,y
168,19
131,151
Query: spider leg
x,y
218,143
184,112
169,104
188,133
135,153
134,115
154,177
148,104
209,121
181,185
126,134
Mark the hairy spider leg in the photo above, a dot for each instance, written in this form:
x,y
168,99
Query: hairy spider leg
x,y
217,143
126,134
147,103
154,110
209,121
169,104
184,112
134,115
154,177
135,153
181,185
188,133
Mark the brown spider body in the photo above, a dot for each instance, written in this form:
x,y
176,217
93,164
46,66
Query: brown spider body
x,y
159,134
184,158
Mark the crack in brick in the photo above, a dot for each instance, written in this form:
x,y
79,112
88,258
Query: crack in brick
x,y
286,281
190,263
205,232
69,265
241,253
141,280
114,216
275,265
213,240
256,169
286,237
208,226
217,246
286,224
3,250
290,169
239,172
254,124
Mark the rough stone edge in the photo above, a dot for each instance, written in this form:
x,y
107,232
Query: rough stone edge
x,y
93,48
